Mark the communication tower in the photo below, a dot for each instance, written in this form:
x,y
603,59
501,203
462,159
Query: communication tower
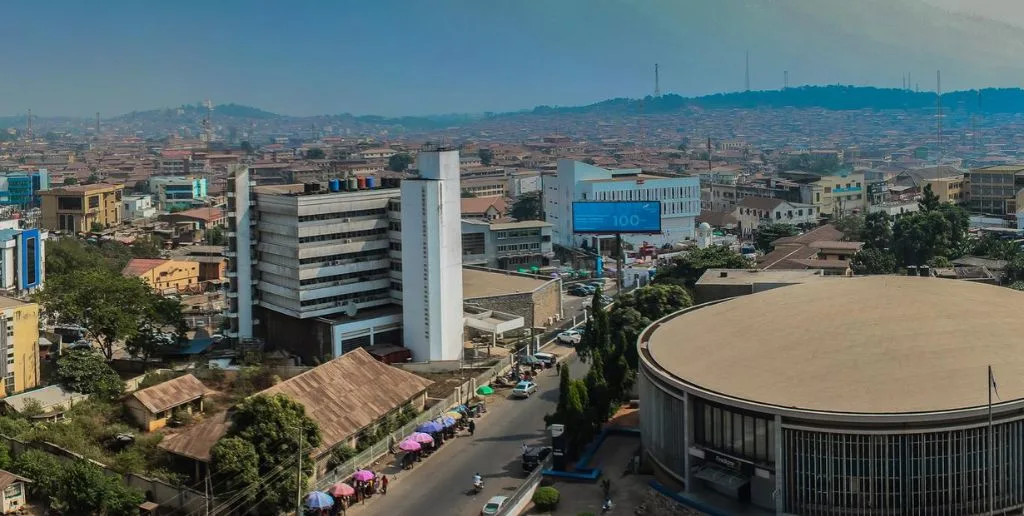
x,y
657,82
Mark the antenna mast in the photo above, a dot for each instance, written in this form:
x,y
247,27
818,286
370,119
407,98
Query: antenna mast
x,y
28,130
208,121
657,82
97,124
785,79
938,113
747,72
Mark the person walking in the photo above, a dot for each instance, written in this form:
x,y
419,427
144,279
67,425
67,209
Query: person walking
x,y
384,485
525,448
472,427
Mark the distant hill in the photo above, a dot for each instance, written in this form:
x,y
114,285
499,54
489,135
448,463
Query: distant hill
x,y
836,98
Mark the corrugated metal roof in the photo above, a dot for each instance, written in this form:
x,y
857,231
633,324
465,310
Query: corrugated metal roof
x,y
7,478
196,442
348,393
171,393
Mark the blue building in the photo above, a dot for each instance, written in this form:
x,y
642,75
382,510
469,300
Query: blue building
x,y
22,189
178,193
22,260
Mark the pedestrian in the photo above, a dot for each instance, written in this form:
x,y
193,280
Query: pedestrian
x,y
472,427
384,485
525,448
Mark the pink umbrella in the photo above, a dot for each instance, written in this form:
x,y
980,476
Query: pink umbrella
x,y
421,438
363,475
409,445
341,489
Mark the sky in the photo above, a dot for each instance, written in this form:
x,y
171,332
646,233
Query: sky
x,y
416,57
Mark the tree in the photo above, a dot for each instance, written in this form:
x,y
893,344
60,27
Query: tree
x,y
528,207
851,226
147,247
1014,270
655,301
85,371
315,153
399,162
629,322
70,181
235,465
873,261
929,201
246,147
689,267
215,236
41,468
97,227
106,304
486,156
92,179
276,426
69,256
162,314
466,194
85,489
877,231
994,247
765,235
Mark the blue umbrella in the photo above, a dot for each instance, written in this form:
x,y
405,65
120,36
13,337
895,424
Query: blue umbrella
x,y
448,422
430,427
319,500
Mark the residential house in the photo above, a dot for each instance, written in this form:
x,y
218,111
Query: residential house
x,y
199,218
754,212
138,207
164,274
153,407
82,208
52,401
13,496
19,342
345,397
484,208
212,263
837,196
820,248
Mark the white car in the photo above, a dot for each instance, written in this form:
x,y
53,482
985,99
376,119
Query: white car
x,y
570,337
524,389
495,504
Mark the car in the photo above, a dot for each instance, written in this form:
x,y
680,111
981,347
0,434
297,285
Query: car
x,y
596,285
524,389
570,337
547,358
534,456
579,290
494,505
606,300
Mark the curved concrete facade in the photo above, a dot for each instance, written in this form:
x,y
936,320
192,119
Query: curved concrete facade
x,y
793,453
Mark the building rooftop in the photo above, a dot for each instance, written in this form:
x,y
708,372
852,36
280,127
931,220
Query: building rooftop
x,y
80,189
10,302
520,225
197,441
866,345
751,276
208,214
480,283
172,393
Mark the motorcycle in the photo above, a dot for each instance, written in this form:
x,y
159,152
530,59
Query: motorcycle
x,y
478,486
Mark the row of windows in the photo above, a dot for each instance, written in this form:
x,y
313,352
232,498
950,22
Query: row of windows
x,y
340,236
361,276
742,434
648,194
345,258
343,215
519,247
355,297
517,233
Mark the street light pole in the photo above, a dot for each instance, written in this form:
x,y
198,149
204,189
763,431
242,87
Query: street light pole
x,y
298,479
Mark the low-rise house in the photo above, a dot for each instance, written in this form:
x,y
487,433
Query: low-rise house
x,y
153,407
12,492
484,208
45,404
164,275
754,212
821,248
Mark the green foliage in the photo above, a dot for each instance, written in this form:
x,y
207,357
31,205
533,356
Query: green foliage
x,y
920,237
873,261
546,498
246,147
148,247
234,465
97,227
852,227
160,315
1014,270
399,162
276,426
70,181
765,235
990,246
1017,285
40,467
254,379
929,201
940,262
316,153
215,236
157,377
655,301
341,455
466,194
85,489
486,156
85,371
528,207
70,255
31,408
877,232
689,267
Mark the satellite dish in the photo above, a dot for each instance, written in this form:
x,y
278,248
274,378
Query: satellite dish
x,y
351,309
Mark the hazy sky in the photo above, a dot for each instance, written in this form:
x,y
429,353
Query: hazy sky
x,y
393,57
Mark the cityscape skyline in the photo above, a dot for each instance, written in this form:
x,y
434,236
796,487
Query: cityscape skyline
x,y
458,57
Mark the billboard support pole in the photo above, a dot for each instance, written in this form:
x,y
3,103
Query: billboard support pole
x,y
618,262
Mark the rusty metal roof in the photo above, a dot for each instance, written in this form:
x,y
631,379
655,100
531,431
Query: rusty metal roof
x,y
197,441
7,478
172,393
348,393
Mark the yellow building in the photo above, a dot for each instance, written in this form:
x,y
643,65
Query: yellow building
x,y
153,407
19,342
79,208
840,195
949,189
164,275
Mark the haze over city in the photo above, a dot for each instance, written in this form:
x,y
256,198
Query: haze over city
x,y
393,57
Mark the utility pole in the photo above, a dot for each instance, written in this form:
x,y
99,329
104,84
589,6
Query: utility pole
x,y
298,479
785,79
657,82
747,72
938,115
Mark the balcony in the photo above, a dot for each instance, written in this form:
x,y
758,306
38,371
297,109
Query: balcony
x,y
232,294
231,274
231,315
230,193
230,254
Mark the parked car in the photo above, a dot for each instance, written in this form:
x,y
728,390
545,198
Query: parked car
x,y
606,300
524,389
579,290
596,285
534,456
570,337
494,505
548,359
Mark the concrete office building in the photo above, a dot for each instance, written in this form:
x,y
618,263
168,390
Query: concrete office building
x,y
19,345
432,258
865,396
993,190
313,267
577,181
82,208
178,193
21,189
22,260
510,246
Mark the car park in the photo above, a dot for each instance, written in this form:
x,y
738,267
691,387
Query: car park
x,y
524,389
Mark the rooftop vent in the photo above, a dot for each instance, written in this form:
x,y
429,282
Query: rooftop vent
x,y
723,274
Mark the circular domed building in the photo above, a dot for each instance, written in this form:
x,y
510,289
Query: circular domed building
x,y
846,396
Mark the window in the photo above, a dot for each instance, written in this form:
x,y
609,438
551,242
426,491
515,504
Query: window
x,y
13,491
31,274
94,202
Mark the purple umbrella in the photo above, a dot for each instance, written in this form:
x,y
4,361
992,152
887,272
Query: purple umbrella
x,y
448,422
430,427
421,438
363,475
409,445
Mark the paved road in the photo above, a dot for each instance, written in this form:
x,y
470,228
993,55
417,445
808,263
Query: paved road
x,y
440,485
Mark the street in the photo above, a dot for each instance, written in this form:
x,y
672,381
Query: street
x,y
440,485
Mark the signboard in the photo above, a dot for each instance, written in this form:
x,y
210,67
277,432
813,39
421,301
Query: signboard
x,y
609,218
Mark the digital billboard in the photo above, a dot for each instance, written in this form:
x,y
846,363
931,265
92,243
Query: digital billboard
x,y
606,218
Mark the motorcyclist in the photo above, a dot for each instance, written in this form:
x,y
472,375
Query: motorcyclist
x,y
478,480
